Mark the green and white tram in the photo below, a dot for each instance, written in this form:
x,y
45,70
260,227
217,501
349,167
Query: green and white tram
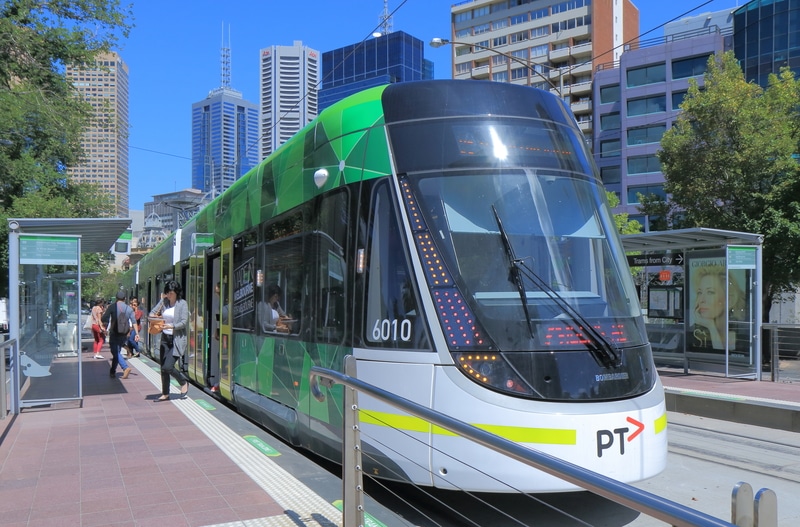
x,y
453,236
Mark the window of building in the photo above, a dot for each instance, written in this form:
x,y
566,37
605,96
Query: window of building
x,y
519,73
463,67
691,67
461,33
609,94
500,76
519,19
646,105
480,11
482,28
500,41
677,99
500,24
648,164
610,148
609,121
645,190
540,31
611,175
539,51
646,134
539,13
499,59
518,36
646,75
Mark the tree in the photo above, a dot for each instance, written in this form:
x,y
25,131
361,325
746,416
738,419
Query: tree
x,y
624,225
41,117
729,162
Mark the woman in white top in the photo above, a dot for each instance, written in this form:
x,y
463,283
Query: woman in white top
x,y
175,311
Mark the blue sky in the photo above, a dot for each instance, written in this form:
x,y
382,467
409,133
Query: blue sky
x,y
173,55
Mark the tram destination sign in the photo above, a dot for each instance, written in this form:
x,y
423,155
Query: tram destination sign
x,y
641,260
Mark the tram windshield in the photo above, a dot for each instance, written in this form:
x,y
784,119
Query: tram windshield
x,y
532,248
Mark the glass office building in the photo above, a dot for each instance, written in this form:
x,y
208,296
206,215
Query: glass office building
x,y
767,37
389,58
224,140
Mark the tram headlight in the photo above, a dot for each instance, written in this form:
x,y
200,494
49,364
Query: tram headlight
x,y
491,370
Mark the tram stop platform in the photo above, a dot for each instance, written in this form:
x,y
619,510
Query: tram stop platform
x,y
122,458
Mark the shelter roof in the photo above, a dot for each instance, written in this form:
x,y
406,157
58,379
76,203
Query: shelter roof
x,y
98,235
695,238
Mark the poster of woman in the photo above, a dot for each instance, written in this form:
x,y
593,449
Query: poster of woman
x,y
714,324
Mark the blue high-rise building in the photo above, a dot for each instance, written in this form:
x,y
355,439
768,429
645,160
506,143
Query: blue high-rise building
x,y
224,140
389,58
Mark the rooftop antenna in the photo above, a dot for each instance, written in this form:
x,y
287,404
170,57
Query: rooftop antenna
x,y
386,21
225,59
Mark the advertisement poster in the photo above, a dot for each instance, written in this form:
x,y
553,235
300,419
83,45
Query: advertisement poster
x,y
718,305
244,296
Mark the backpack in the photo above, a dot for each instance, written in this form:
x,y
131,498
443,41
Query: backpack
x,y
124,321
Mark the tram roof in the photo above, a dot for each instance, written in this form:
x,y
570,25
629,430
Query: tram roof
x,y
694,238
98,235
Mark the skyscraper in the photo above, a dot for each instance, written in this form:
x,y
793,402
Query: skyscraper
x,y
288,86
388,58
104,85
224,136
550,44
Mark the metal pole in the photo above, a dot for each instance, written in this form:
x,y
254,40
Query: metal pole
x,y
13,310
352,475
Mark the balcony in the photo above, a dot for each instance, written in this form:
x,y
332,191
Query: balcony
x,y
585,125
581,107
559,55
581,88
582,51
481,72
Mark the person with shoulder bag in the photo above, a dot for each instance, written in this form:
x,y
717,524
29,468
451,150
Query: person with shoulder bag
x,y
120,320
175,311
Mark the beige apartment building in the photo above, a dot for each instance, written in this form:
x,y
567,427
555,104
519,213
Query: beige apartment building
x,y
554,45
104,85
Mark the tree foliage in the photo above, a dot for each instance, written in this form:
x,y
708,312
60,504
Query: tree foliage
x,y
41,117
730,162
624,225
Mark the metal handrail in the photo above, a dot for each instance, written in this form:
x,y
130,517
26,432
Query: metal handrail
x,y
642,501
12,343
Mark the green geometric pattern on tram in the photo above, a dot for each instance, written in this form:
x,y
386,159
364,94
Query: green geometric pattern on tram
x,y
244,371
266,367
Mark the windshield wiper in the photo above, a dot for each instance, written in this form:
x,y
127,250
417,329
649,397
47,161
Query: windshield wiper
x,y
604,352
514,271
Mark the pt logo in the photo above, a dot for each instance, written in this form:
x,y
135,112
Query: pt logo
x,y
607,438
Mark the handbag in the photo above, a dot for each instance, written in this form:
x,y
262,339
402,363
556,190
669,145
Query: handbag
x,y
155,325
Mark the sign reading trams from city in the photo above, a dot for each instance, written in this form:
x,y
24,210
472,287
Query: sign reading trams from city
x,y
642,260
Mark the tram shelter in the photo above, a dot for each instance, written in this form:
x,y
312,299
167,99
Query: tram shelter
x,y
45,319
702,291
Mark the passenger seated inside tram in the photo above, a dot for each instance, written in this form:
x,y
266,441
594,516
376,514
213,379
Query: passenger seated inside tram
x,y
271,315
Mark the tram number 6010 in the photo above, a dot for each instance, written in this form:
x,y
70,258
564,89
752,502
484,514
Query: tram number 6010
x,y
386,329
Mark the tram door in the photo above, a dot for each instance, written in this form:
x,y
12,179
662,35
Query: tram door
x,y
215,311
226,272
197,319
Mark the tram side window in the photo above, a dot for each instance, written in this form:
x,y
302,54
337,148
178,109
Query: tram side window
x,y
281,301
393,318
329,240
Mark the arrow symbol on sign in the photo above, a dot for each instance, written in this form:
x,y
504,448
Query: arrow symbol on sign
x,y
679,259
638,425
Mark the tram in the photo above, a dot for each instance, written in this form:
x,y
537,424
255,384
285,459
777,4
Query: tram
x,y
455,239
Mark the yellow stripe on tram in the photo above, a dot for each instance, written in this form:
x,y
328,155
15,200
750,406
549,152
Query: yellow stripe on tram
x,y
660,424
517,434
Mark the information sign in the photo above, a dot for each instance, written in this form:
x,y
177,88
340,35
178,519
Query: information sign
x,y
641,260
37,249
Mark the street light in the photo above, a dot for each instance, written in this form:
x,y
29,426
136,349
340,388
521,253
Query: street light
x,y
439,42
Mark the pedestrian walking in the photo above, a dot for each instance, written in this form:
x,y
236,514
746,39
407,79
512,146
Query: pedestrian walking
x,y
120,320
97,327
175,311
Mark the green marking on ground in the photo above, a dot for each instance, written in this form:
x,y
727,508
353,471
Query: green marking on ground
x,y
368,519
205,405
262,446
